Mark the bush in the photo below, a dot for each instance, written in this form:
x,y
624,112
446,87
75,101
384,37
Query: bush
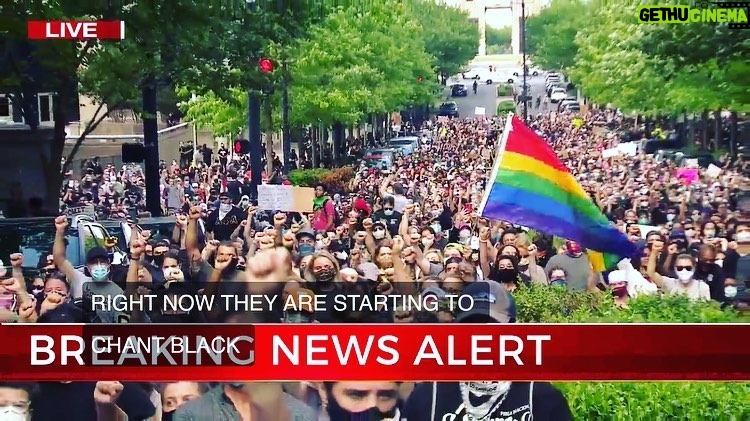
x,y
505,90
336,180
505,107
307,178
637,401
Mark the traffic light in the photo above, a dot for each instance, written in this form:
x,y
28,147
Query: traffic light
x,y
420,79
266,65
242,146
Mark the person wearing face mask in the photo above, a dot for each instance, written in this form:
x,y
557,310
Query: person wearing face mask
x,y
241,401
737,261
489,400
576,264
360,401
709,272
388,215
379,231
684,268
296,309
222,222
15,401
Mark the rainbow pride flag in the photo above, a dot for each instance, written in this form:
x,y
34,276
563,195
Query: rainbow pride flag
x,y
531,187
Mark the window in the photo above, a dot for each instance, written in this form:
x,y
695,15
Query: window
x,y
45,107
6,110
93,236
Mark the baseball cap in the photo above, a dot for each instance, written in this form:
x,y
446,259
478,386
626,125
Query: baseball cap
x,y
97,253
295,303
305,233
491,301
162,243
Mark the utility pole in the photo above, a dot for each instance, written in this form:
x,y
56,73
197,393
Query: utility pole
x,y
286,142
151,146
525,89
254,136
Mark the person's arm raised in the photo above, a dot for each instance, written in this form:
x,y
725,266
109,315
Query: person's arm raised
x,y
58,252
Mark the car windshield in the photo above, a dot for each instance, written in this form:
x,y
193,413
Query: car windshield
x,y
448,106
33,237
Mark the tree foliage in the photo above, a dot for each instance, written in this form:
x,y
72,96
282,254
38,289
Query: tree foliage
x,y
550,35
649,69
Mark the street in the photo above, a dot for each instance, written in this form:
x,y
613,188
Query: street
x,y
486,96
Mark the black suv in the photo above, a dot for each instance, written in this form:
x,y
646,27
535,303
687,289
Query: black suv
x,y
448,109
459,90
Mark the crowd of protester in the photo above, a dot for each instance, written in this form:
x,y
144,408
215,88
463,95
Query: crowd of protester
x,y
412,229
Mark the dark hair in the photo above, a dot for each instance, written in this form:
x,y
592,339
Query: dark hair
x,y
58,275
322,186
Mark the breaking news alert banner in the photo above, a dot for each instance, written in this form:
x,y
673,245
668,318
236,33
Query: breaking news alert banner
x,y
383,352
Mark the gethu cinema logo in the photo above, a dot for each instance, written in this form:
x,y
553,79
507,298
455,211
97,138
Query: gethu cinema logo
x,y
686,14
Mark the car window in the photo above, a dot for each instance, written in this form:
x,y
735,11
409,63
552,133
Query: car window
x,y
93,236
33,239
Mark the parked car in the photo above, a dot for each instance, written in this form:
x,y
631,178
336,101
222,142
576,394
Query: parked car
x,y
407,144
484,74
33,237
571,106
459,90
530,71
558,94
162,227
448,109
567,102
381,158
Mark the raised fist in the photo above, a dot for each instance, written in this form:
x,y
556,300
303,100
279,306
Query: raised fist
x,y
137,248
484,234
145,235
52,301
16,260
182,221
222,262
397,245
269,266
195,213
107,393
61,223
657,246
672,249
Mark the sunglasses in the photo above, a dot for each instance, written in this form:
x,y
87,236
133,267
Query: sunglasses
x,y
678,268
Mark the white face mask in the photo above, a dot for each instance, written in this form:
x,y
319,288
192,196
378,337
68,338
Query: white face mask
x,y
378,234
685,275
730,291
689,233
225,207
670,217
173,274
709,234
11,413
743,237
493,392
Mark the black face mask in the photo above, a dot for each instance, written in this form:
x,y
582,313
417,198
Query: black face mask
x,y
157,259
336,412
325,275
507,275
167,416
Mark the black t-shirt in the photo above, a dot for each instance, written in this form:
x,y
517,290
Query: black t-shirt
x,y
536,401
223,229
391,221
714,276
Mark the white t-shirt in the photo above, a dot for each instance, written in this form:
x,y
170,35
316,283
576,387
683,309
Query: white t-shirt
x,y
695,290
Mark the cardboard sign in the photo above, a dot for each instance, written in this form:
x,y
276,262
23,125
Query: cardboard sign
x,y
479,111
285,198
713,171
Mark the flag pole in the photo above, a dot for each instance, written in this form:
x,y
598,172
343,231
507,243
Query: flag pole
x,y
496,165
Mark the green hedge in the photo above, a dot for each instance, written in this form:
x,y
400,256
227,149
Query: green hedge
x,y
506,106
638,401
504,89
336,179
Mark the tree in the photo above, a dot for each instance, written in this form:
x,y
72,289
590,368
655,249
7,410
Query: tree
x,y
156,48
499,40
448,34
360,62
550,35
610,66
